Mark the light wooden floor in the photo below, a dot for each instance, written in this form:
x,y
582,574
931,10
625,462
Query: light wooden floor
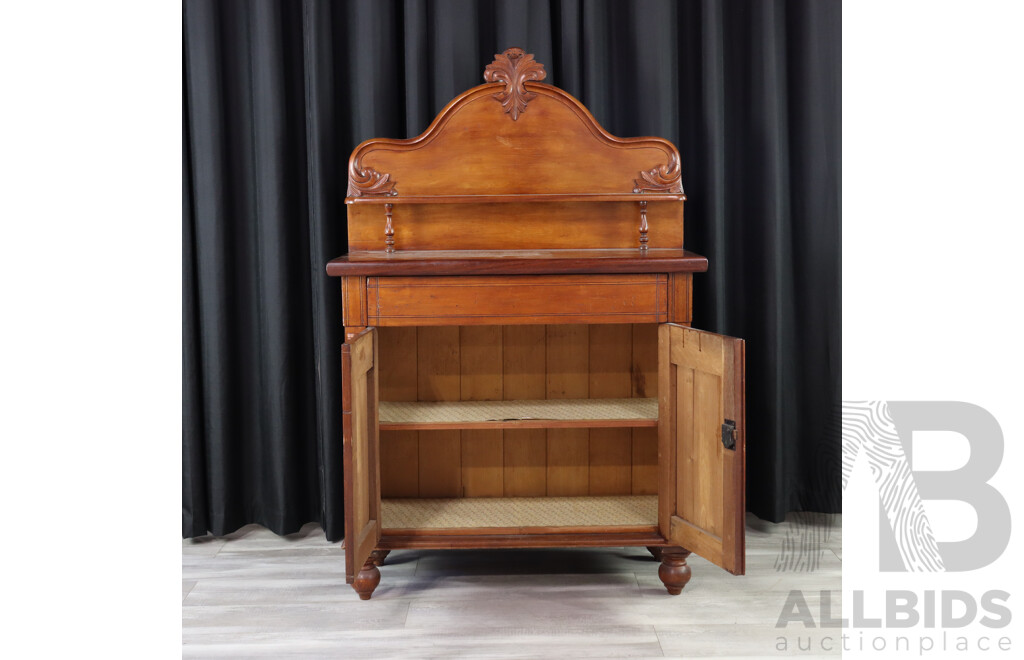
x,y
255,594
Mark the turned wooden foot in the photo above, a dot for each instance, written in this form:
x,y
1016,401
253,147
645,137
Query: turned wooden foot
x,y
378,557
367,580
674,572
656,551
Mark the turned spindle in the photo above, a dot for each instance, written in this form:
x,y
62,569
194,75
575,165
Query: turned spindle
x,y
389,229
643,225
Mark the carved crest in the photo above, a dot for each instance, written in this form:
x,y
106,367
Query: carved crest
x,y
368,181
666,178
514,67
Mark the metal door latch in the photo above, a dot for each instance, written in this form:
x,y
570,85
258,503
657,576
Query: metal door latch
x,y
729,434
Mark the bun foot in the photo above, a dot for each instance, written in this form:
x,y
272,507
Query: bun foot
x,y
674,572
367,580
378,557
656,551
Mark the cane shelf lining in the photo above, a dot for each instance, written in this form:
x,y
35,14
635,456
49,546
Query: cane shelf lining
x,y
409,415
503,512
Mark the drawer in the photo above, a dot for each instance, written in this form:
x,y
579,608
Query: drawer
x,y
496,300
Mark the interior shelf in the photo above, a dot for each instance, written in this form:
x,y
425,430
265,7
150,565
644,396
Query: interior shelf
x,y
520,512
549,413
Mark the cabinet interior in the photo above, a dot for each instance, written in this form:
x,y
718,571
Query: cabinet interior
x,y
561,416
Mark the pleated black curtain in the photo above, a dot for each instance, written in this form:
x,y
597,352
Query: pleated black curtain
x,y
276,95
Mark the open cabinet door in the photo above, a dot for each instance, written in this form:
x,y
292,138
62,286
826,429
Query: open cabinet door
x,y
701,443
360,451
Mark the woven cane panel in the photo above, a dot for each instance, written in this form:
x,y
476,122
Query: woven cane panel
x,y
441,412
519,512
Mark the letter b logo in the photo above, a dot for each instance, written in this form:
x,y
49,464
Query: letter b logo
x,y
883,431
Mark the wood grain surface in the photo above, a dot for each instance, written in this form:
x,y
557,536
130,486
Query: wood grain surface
x,y
701,495
496,300
517,262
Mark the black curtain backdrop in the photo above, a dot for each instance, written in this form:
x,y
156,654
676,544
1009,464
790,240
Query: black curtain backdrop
x,y
277,94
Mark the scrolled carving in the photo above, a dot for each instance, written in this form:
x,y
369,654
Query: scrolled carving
x,y
368,181
514,67
666,178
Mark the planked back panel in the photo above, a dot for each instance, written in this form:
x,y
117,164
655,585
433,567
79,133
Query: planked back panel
x,y
518,362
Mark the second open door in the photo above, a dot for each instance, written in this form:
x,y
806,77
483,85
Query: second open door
x,y
361,450
701,443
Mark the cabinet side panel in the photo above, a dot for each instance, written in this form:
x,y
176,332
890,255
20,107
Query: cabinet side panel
x,y
480,349
611,450
438,379
568,363
680,306
353,301
523,376
399,449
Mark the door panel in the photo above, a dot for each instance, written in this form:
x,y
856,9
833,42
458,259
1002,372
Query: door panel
x,y
701,481
361,449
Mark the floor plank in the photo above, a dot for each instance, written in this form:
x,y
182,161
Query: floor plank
x,y
255,594
716,640
501,641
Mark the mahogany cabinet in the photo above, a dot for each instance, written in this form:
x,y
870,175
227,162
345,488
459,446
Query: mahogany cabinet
x,y
518,369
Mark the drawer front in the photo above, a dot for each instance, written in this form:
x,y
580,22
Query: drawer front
x,y
496,300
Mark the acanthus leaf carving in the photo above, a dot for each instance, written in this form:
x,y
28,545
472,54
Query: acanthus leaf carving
x,y
666,178
514,67
368,181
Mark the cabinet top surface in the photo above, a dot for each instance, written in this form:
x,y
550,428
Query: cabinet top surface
x,y
517,262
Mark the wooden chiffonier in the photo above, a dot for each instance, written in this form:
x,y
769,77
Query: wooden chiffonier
x,y
518,369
